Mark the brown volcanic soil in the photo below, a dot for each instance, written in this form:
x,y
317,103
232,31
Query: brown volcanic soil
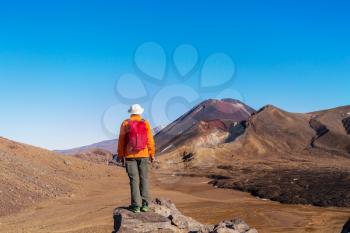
x,y
30,175
286,157
306,180
89,209
75,196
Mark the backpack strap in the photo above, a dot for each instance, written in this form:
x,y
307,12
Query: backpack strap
x,y
129,121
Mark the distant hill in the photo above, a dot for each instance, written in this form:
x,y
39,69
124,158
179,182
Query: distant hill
x,y
274,130
107,145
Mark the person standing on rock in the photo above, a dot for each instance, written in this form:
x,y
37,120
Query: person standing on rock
x,y
136,149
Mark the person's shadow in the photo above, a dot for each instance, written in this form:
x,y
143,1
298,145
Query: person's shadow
x,y
117,219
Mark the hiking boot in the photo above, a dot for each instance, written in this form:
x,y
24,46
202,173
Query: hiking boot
x,y
134,209
144,208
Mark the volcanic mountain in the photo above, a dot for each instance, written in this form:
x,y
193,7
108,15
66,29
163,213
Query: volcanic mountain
x,y
208,123
283,156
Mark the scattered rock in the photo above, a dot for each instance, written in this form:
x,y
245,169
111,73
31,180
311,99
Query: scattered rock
x,y
164,217
234,226
66,162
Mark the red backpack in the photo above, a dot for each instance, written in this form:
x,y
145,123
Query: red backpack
x,y
136,136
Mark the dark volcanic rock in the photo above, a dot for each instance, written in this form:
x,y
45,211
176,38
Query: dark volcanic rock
x,y
282,141
346,123
319,128
164,217
332,130
316,187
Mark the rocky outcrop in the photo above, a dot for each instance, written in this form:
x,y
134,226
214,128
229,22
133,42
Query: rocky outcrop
x,y
164,217
346,123
320,130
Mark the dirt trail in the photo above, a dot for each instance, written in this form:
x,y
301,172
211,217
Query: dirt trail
x,y
89,210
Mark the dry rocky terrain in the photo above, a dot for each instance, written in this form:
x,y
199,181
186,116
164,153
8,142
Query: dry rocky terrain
x,y
289,158
30,175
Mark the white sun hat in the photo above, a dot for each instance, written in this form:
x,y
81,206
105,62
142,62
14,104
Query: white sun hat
x,y
136,109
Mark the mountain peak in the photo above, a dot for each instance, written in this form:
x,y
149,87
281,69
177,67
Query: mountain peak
x,y
269,107
208,110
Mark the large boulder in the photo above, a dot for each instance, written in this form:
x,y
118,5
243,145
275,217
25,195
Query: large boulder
x,y
128,222
164,217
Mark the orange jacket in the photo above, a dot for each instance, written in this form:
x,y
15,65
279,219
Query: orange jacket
x,y
122,148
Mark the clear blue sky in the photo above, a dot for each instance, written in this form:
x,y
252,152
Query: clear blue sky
x,y
60,60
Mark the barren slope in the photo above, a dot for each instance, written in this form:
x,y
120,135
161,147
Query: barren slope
x,y
280,155
332,127
30,174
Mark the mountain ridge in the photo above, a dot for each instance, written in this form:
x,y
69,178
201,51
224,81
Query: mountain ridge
x,y
271,147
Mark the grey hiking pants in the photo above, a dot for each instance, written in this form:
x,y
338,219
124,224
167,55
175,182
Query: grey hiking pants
x,y
137,170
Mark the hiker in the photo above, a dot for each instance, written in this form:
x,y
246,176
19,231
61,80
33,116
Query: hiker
x,y
136,149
